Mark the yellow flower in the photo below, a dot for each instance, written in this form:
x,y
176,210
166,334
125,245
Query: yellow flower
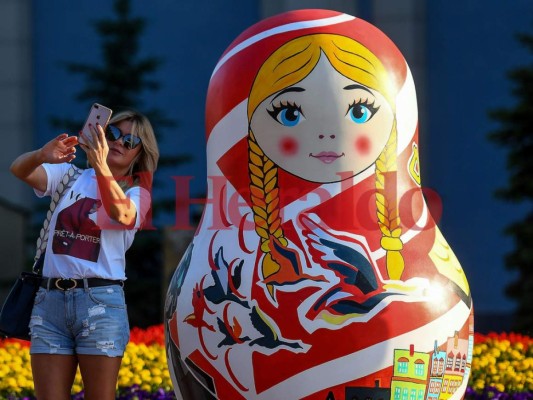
x,y
11,383
146,387
76,388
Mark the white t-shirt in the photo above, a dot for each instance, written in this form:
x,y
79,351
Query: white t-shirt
x,y
83,241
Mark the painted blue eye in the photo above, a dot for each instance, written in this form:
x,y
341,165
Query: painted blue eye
x,y
287,114
361,112
289,117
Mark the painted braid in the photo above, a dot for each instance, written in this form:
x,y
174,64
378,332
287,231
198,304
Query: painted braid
x,y
387,207
264,194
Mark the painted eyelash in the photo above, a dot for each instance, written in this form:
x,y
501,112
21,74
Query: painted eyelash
x,y
365,103
276,109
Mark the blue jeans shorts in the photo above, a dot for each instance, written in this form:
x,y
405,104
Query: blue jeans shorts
x,y
90,321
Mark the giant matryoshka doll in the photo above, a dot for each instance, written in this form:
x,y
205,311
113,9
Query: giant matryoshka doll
x,y
317,270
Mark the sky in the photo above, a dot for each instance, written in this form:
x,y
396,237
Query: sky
x,y
470,48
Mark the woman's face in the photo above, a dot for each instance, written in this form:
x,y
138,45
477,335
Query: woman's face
x,y
324,128
119,156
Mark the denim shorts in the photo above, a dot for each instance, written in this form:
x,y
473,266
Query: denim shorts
x,y
90,321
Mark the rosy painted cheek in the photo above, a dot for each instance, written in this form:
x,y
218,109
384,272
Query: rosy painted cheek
x,y
363,145
288,146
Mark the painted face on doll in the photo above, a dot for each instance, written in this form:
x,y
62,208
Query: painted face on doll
x,y
324,128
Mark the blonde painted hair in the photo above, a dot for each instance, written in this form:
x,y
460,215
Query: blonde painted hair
x,y
288,65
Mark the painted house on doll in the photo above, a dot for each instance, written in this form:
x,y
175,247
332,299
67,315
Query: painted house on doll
x,y
410,374
367,393
436,374
456,366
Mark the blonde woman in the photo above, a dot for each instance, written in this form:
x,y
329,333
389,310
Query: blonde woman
x,y
79,317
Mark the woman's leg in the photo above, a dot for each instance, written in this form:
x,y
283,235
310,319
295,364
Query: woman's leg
x,y
101,339
99,374
53,375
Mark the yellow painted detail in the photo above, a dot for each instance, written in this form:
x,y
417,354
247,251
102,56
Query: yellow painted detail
x,y
447,263
414,165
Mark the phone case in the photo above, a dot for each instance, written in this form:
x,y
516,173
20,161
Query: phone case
x,y
99,114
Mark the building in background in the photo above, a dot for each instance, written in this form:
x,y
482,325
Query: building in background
x,y
458,53
16,133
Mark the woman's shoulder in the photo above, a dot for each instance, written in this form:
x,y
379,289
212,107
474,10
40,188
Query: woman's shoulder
x,y
57,171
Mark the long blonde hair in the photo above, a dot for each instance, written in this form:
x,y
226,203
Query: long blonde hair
x,y
288,65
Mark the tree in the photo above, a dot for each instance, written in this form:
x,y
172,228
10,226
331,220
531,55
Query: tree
x,y
516,134
119,82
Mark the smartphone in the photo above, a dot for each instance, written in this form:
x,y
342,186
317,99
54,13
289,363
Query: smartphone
x,y
99,114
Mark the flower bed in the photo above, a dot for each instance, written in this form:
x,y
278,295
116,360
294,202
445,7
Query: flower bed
x,y
502,368
143,373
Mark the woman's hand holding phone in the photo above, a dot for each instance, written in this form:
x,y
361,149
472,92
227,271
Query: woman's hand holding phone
x,y
96,147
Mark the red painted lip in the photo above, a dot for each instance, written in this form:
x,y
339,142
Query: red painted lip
x,y
327,157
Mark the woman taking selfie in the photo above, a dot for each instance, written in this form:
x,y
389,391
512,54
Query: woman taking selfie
x,y
79,316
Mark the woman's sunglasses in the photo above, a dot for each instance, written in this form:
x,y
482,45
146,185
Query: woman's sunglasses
x,y
112,133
